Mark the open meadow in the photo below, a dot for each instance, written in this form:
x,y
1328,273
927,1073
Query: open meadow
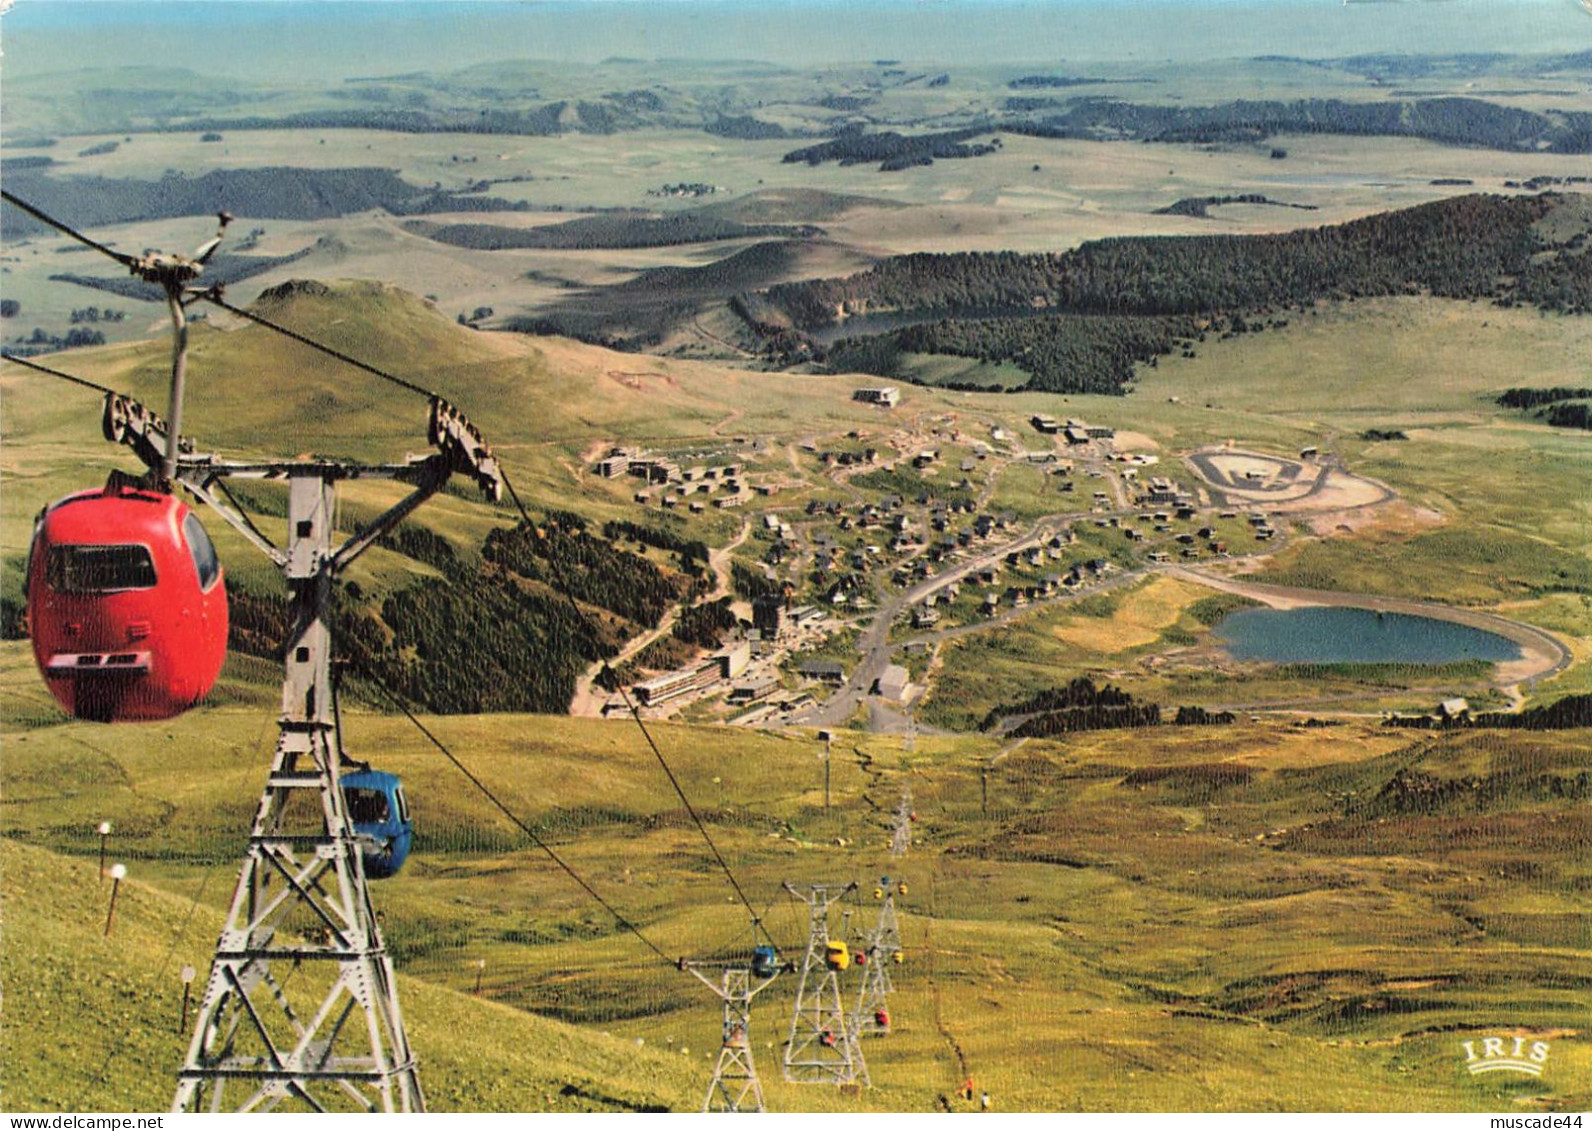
x,y
929,421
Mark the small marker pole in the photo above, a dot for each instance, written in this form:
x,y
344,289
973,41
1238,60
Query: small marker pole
x,y
118,872
104,835
480,969
188,973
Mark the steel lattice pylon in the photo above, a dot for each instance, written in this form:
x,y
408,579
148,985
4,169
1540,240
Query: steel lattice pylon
x,y
325,1033
883,944
735,1075
822,1048
901,836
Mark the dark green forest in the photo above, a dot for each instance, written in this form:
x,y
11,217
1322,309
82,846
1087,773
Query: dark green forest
x,y
555,593
1077,321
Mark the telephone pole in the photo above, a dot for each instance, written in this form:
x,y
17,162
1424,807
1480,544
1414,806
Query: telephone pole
x,y
822,1048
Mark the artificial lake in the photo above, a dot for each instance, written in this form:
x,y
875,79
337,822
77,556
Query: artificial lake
x,y
1319,634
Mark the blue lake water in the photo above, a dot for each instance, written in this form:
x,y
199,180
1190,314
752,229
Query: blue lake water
x,y
1327,635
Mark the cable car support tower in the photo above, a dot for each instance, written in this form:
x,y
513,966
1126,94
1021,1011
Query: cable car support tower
x,y
882,947
300,1008
735,1086
822,1048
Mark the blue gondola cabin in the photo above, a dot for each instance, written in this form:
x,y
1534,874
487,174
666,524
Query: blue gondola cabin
x,y
380,816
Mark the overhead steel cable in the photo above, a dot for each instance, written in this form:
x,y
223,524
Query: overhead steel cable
x,y
213,296
45,369
635,713
67,230
486,792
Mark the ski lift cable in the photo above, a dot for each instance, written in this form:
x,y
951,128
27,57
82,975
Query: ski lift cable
x,y
486,792
45,369
121,257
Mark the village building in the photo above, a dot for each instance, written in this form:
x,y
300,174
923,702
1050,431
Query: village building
x,y
887,397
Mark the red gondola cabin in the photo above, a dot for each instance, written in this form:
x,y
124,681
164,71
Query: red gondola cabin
x,y
127,607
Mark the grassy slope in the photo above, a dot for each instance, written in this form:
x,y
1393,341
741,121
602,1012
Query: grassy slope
x,y
1145,937
92,1019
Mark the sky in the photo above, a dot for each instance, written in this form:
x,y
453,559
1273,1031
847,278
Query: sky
x,y
340,38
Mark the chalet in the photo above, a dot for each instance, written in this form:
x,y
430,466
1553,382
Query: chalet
x,y
752,690
616,463
925,616
1453,710
887,397
728,501
806,614
991,604
1075,434
824,671
989,575
1045,424
654,470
